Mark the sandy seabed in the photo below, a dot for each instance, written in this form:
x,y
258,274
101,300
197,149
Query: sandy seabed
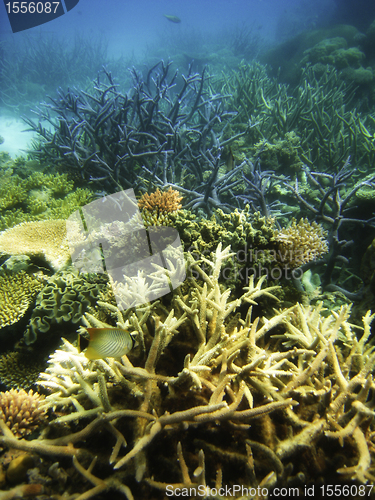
x,y
12,130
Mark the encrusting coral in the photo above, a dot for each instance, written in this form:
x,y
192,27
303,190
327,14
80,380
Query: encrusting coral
x,y
27,194
203,371
21,411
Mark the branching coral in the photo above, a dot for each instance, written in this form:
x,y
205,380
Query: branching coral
x,y
203,370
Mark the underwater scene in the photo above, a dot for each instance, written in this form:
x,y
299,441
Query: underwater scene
x,y
187,249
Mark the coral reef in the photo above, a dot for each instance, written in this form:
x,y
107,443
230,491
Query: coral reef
x,y
203,372
44,240
301,242
62,301
21,411
19,370
17,292
28,194
160,202
231,379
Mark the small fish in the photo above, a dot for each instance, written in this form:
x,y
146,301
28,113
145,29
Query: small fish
x,y
230,161
173,19
108,343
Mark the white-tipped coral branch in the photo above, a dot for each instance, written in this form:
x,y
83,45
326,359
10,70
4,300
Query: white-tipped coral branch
x,y
203,361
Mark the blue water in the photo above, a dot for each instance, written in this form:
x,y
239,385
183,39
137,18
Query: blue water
x,y
131,27
137,33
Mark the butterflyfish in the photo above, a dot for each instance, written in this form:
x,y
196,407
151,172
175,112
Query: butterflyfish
x,y
108,343
173,19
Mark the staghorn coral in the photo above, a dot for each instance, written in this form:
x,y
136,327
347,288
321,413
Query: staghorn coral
x,y
17,292
21,411
301,242
40,239
18,370
200,375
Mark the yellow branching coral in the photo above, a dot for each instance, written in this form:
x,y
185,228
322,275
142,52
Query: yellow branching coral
x,y
16,294
21,411
161,202
46,239
211,374
301,242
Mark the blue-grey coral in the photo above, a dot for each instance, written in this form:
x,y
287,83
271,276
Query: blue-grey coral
x,y
107,135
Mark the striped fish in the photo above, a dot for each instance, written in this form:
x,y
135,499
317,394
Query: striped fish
x,y
108,343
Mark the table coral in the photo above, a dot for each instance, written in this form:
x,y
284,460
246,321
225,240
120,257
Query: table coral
x,y
40,239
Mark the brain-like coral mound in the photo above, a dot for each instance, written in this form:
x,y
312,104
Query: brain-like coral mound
x,y
45,239
301,242
17,291
64,299
18,371
21,411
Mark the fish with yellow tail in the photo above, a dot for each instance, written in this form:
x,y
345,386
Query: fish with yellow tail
x,y
108,343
